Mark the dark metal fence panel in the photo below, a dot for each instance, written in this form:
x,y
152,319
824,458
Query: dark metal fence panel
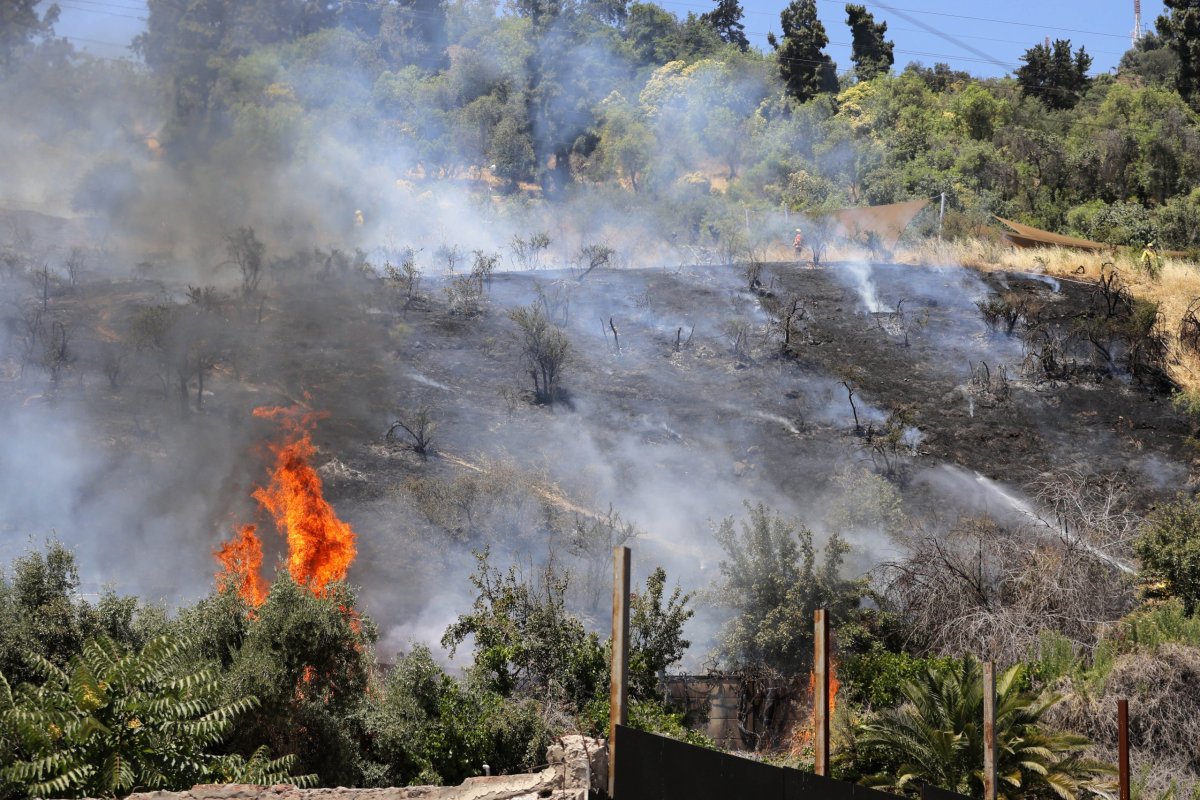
x,y
651,767
640,766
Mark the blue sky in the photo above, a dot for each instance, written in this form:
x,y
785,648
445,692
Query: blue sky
x,y
983,38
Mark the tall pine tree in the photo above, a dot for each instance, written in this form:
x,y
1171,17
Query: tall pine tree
x,y
726,20
1180,29
871,53
803,64
1053,75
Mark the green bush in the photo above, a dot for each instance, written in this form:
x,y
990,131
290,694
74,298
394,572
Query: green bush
x,y
428,728
115,720
1169,548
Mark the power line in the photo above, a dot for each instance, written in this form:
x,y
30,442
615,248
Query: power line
x,y
138,9
99,12
988,19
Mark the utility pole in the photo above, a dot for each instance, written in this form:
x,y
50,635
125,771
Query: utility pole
x,y
1137,22
618,690
989,731
821,692
941,215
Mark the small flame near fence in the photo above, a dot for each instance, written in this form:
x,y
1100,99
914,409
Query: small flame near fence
x,y
802,735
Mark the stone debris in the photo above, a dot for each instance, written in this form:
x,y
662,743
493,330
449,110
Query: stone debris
x,y
577,764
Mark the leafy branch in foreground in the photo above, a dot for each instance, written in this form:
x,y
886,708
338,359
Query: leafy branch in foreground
x,y
112,721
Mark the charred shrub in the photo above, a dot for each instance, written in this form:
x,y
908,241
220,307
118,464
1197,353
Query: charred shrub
x,y
788,319
1146,346
1111,294
413,430
1189,328
892,446
545,349
1001,313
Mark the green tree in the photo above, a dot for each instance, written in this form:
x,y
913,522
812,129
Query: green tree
x,y
626,142
112,721
511,148
308,659
1180,29
936,737
726,20
20,24
41,613
655,634
806,69
771,579
1054,75
414,32
1169,548
1151,60
428,728
871,53
526,642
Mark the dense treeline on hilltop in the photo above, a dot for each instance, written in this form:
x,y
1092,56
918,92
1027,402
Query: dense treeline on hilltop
x,y
561,93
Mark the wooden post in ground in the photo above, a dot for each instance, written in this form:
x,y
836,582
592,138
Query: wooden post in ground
x,y
1123,747
989,731
821,692
619,687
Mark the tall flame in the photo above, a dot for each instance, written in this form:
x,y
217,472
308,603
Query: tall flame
x,y
320,545
241,561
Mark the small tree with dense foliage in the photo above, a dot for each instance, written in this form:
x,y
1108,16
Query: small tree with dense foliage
x,y
655,634
308,659
772,580
1169,548
429,728
526,642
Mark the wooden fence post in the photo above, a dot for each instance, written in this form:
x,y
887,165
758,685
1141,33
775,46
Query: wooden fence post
x,y
619,687
1123,747
989,731
821,692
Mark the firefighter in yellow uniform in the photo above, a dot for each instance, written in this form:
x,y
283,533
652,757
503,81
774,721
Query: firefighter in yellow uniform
x,y
359,220
1151,262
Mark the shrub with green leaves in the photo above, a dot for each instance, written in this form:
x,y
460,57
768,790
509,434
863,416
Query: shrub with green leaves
x,y
936,737
526,641
428,728
1169,548
771,578
115,720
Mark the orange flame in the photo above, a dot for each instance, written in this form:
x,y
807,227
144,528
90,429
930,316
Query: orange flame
x,y
320,545
802,735
241,561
